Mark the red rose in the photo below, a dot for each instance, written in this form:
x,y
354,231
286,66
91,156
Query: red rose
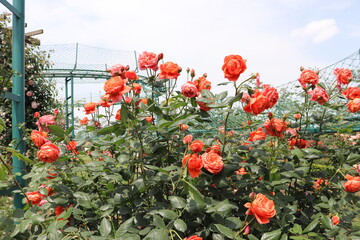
x,y
352,93
308,77
214,149
212,162
343,75
234,65
275,127
189,90
131,75
49,189
193,237
320,183
352,184
148,60
149,119
38,138
169,70
272,96
196,146
257,104
297,116
354,105
48,152
194,164
262,208
257,135
106,101
90,107
203,106
319,94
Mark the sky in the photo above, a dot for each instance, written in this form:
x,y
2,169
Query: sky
x,y
276,37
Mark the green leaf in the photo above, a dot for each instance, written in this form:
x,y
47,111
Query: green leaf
x,y
296,229
225,230
124,112
353,158
107,130
221,96
124,227
24,225
177,202
2,125
158,221
169,214
158,234
326,222
274,235
57,130
105,227
284,237
311,226
180,225
69,130
15,153
252,237
195,194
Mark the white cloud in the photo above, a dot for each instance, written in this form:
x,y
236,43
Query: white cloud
x,y
319,31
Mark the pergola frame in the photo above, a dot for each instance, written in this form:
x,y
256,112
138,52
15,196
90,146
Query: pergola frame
x,y
18,84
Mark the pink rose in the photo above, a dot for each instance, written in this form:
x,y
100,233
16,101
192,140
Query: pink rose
x,y
319,95
189,90
148,60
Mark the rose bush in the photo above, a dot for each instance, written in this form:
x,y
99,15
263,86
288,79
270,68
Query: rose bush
x,y
145,175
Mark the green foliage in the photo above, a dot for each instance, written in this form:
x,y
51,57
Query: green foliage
x,y
128,180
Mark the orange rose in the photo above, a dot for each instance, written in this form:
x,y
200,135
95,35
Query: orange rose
x,y
187,139
343,75
116,85
272,96
214,149
189,90
297,116
354,105
34,197
137,88
194,164
352,184
90,107
262,208
84,121
320,183
149,119
257,104
275,127
298,142
193,237
106,101
49,189
241,171
38,138
142,100
308,77
201,83
118,115
169,70
183,127
203,106
335,220
352,93
257,135
319,95
196,146
212,162
71,146
48,152
234,65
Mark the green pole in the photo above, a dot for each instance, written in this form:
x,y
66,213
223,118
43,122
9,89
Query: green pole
x,y
18,85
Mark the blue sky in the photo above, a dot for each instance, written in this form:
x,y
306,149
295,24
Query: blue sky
x,y
275,36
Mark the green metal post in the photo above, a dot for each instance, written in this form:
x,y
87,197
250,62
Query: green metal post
x,y
72,107
18,85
